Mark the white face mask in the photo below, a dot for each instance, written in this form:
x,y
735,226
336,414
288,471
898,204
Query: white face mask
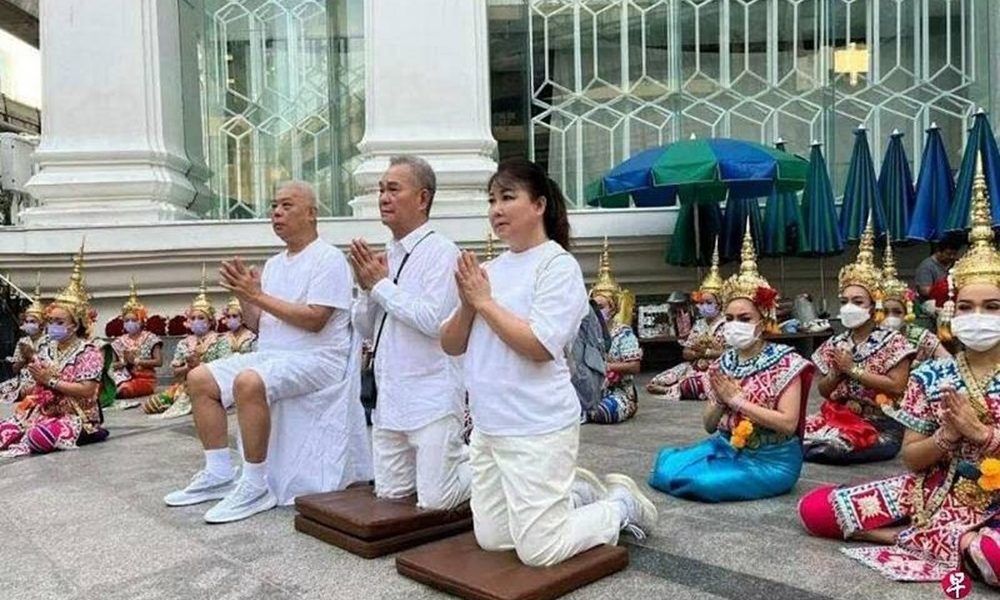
x,y
740,335
854,316
894,323
977,331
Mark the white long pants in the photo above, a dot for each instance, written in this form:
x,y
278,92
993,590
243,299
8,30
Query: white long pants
x,y
430,460
521,498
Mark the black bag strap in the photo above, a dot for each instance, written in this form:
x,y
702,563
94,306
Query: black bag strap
x,y
395,280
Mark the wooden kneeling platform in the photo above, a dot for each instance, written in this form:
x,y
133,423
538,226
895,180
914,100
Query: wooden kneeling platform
x,y
460,567
362,524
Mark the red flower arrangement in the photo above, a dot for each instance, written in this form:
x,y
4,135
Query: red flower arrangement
x,y
697,297
766,297
939,292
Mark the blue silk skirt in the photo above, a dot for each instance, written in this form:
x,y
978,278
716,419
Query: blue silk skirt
x,y
713,471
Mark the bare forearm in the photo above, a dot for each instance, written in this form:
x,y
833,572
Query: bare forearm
x,y
251,317
921,454
455,331
303,316
770,418
85,389
514,331
631,367
828,383
712,415
881,383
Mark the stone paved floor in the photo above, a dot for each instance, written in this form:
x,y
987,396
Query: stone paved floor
x,y
91,524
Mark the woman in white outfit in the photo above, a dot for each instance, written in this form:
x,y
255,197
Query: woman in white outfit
x,y
517,314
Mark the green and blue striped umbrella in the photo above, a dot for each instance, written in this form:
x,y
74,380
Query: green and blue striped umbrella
x,y
980,140
935,190
698,170
783,229
895,183
861,194
819,211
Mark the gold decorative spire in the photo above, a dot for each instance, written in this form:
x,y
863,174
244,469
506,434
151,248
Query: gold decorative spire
x,y
713,282
491,251
132,305
234,306
201,301
36,309
862,272
748,281
74,297
981,264
605,284
894,288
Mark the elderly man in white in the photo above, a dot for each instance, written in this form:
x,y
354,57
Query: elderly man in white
x,y
296,399
407,292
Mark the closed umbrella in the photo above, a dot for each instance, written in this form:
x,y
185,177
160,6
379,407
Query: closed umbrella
x,y
935,190
980,140
895,184
819,216
861,194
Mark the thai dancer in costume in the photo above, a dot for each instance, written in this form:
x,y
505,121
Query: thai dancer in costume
x,y
203,346
619,401
241,338
863,368
942,514
702,346
899,316
59,411
33,328
756,396
137,353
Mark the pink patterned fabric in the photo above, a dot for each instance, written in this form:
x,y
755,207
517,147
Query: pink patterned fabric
x,y
984,551
817,515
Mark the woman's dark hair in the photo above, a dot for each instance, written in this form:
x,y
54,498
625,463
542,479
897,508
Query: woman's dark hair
x,y
522,173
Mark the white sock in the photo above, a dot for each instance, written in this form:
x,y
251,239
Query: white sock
x,y
255,474
217,463
622,500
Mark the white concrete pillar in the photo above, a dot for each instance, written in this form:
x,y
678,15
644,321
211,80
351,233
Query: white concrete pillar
x,y
427,93
112,148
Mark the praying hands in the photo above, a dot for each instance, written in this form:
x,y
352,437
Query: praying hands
x,y
242,281
369,267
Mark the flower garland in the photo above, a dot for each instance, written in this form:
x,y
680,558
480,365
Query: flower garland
x,y
741,434
989,474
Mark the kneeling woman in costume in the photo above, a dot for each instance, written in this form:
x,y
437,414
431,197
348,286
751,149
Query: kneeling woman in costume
x,y
899,315
59,411
517,315
203,346
942,515
755,399
137,353
864,369
33,327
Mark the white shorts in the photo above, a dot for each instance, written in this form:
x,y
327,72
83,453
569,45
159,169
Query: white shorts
x,y
285,374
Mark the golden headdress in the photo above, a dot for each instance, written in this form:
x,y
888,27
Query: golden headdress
x,y
862,272
132,305
981,263
713,282
605,284
748,283
74,297
36,309
201,301
893,287
234,306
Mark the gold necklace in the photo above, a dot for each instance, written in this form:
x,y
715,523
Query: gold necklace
x,y
60,356
977,388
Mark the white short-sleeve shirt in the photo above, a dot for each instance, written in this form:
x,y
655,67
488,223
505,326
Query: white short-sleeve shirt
x,y
317,275
509,393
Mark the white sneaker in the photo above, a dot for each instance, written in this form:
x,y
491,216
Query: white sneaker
x,y
587,488
640,513
204,486
245,501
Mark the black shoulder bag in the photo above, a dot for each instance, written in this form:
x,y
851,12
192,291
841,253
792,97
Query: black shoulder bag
x,y
369,391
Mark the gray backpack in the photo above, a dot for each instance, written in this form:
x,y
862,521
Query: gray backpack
x,y
587,358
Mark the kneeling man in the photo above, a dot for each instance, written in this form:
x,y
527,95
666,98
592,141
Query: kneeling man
x,y
406,294
297,397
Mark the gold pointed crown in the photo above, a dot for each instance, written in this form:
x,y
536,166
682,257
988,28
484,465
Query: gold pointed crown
x,y
132,305
981,264
201,301
748,283
605,284
893,287
713,282
74,297
234,306
862,271
36,309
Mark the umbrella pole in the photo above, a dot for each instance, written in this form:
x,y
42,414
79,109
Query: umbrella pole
x,y
822,284
781,263
697,242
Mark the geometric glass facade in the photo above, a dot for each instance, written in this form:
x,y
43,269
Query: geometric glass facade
x,y
281,98
604,79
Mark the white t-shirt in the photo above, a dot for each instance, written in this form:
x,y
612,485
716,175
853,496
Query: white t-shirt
x,y
509,393
318,275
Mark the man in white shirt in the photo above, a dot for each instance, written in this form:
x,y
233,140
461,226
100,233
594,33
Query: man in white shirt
x,y
405,295
296,398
